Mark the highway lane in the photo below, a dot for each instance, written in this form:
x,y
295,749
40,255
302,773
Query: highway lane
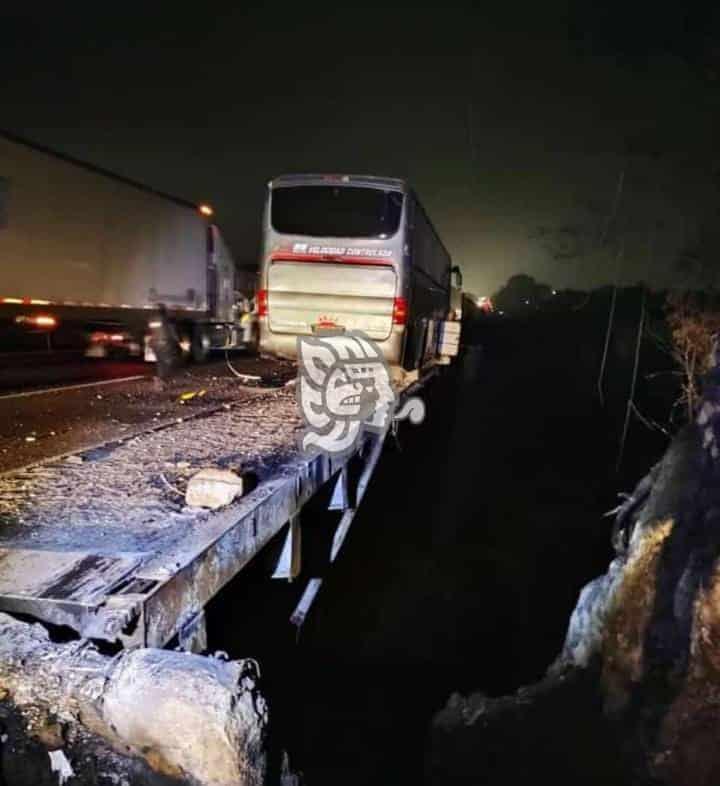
x,y
56,409
27,371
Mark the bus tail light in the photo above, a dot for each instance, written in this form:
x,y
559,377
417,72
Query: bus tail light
x,y
262,302
399,311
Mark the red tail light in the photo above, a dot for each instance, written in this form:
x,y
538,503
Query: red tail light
x,y
399,311
262,302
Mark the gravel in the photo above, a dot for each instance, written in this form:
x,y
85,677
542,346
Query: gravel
x,y
128,495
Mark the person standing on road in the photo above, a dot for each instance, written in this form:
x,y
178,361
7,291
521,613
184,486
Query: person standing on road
x,y
166,346
249,323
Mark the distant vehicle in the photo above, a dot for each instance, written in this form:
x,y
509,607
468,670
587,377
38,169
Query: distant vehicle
x,y
88,255
346,252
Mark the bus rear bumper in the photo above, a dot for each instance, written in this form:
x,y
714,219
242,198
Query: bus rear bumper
x,y
284,345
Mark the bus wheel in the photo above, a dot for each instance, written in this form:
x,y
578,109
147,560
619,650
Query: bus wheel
x,y
200,348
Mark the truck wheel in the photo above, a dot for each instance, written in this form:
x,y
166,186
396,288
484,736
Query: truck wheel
x,y
200,348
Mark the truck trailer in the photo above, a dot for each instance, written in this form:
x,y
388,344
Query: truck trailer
x,y
87,256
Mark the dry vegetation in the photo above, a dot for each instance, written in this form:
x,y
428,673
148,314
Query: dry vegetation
x,y
695,326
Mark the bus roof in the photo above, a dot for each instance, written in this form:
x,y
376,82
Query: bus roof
x,y
368,181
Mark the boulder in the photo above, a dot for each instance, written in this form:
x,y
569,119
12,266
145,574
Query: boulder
x,y
144,716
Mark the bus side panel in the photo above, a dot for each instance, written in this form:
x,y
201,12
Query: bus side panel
x,y
429,290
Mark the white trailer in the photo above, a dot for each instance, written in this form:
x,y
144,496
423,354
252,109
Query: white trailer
x,y
84,248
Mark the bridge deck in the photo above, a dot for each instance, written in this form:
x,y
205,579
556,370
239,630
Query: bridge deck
x,y
102,541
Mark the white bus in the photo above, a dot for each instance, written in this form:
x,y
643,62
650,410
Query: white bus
x,y
345,252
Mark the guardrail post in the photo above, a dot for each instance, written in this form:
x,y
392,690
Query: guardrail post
x,y
288,564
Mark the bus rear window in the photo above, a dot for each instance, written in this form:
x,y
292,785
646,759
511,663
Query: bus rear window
x,y
335,211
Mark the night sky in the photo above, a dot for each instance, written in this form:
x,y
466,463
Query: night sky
x,y
513,125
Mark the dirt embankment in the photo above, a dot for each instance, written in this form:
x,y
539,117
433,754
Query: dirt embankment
x,y
634,696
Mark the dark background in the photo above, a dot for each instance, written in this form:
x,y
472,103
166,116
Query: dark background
x,y
514,121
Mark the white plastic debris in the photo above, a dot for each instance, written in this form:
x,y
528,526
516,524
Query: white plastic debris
x,y
59,763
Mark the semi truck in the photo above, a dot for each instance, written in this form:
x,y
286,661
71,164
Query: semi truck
x,y
87,256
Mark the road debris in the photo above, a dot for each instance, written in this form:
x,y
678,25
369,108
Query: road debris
x,y
191,394
60,764
244,377
213,488
170,486
135,514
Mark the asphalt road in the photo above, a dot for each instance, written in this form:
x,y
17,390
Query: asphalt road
x,y
28,371
66,404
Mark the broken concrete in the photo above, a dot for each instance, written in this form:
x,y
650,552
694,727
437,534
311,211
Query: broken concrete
x,y
213,488
180,717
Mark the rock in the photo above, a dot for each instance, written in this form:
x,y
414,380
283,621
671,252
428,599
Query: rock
x,y
188,715
651,625
145,716
213,488
553,731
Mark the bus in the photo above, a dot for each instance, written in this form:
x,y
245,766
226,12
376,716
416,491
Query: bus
x,y
347,252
